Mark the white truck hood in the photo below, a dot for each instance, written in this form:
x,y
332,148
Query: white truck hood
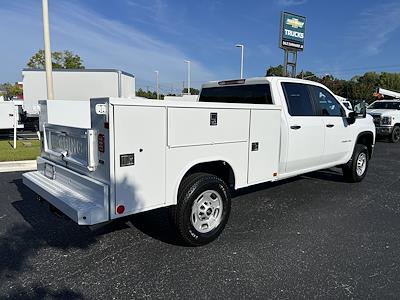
x,y
381,111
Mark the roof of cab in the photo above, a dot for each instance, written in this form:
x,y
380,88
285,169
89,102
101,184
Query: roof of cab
x,y
255,80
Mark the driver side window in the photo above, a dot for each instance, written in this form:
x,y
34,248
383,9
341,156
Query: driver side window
x,y
328,105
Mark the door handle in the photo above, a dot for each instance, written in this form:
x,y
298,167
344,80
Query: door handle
x,y
330,125
295,127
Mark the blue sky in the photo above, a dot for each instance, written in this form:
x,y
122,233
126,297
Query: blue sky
x,y
343,38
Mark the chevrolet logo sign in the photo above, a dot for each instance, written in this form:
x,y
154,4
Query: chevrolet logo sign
x,y
295,23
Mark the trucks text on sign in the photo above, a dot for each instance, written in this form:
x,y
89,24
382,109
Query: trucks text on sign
x,y
292,31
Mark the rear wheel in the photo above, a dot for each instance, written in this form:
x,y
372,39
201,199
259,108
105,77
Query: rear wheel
x,y
202,210
356,169
395,136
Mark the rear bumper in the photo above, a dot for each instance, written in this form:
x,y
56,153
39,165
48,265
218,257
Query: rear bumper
x,y
384,130
81,198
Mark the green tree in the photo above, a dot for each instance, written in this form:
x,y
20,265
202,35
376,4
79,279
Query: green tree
x,y
60,60
148,94
192,91
307,75
389,81
11,90
275,71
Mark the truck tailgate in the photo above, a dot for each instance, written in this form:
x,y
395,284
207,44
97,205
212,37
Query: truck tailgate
x,y
83,199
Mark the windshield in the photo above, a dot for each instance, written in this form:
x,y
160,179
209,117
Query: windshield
x,y
385,105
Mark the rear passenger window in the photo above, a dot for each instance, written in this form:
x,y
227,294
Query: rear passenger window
x,y
298,99
328,104
251,93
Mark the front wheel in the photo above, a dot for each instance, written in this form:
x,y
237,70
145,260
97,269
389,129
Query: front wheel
x,y
202,210
356,169
395,136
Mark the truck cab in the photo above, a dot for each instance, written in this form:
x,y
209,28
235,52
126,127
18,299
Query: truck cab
x,y
316,130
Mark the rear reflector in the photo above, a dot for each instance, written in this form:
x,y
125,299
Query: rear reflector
x,y
120,209
101,143
106,125
227,82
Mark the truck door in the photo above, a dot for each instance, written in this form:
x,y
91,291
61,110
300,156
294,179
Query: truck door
x,y
338,134
139,147
305,129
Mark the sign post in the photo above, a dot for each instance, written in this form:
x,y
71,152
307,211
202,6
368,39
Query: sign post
x,y
47,50
15,126
292,33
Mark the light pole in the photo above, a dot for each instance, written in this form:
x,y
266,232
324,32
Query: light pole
x,y
188,85
47,50
241,59
157,84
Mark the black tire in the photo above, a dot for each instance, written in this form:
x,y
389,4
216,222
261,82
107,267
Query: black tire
x,y
350,169
395,136
180,215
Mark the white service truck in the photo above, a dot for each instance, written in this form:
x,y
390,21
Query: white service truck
x,y
140,155
386,114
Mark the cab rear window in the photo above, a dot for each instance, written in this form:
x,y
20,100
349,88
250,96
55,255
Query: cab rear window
x,y
251,93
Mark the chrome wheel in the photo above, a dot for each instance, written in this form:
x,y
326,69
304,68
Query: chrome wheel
x,y
361,163
207,211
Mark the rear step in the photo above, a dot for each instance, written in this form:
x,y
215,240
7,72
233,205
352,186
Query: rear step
x,y
81,198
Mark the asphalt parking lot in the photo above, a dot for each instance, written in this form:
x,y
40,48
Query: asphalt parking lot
x,y
314,236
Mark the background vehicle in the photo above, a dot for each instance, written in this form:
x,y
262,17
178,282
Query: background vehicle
x,y
71,84
386,114
133,156
346,103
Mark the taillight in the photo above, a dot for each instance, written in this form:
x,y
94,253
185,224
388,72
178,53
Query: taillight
x,y
101,143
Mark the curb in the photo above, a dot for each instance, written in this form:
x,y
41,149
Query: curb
x,y
18,166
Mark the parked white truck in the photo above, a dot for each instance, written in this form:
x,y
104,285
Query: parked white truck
x,y
141,155
386,114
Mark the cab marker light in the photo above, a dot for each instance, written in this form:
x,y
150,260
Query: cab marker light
x,y
226,82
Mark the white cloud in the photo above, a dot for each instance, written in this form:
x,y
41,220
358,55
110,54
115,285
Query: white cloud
x,y
373,27
101,42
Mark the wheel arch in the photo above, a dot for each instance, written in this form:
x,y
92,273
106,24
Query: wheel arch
x,y
218,167
366,138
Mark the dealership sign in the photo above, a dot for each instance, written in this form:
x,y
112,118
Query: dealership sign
x,y
292,31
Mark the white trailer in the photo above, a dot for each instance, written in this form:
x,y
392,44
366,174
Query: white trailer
x,y
75,84
139,155
10,116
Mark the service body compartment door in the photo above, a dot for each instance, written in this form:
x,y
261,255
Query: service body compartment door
x,y
204,126
140,143
263,145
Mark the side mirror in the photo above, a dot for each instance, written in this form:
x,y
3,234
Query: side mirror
x,y
351,118
363,112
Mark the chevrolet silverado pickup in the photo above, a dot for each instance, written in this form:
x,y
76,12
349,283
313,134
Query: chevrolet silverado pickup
x,y
138,155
